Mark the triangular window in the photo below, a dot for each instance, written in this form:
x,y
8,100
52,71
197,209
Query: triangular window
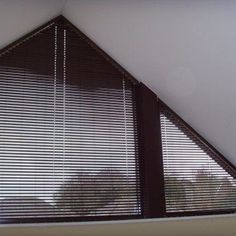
x,y
197,178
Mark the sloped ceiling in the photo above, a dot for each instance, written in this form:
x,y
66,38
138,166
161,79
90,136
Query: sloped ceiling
x,y
18,17
185,51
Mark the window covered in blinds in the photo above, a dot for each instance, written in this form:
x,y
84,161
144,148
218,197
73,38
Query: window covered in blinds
x,y
68,139
196,177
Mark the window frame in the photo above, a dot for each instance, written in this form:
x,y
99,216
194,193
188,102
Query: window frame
x,y
150,149
231,169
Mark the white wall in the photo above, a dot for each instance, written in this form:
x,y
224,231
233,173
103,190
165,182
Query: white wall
x,y
19,17
184,50
198,226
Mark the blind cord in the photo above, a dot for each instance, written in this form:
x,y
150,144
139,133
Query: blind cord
x,y
64,102
54,103
125,129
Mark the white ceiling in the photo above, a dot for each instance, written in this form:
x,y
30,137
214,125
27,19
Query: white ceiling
x,y
184,50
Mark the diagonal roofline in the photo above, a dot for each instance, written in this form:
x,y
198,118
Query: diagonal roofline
x,y
60,19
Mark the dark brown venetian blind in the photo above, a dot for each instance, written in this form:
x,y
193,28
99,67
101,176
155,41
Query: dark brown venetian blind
x,y
197,178
68,146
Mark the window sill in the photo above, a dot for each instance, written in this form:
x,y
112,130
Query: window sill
x,y
197,225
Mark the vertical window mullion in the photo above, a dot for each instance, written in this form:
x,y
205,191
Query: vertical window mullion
x,y
152,178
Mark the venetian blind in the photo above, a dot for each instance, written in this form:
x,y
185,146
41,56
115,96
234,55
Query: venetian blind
x,y
68,139
196,177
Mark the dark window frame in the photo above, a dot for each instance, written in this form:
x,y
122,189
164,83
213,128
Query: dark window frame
x,y
150,149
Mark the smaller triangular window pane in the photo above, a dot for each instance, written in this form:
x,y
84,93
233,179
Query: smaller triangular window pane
x,y
196,178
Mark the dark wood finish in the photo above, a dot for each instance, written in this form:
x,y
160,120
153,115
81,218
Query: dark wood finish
x,y
66,219
200,213
151,153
